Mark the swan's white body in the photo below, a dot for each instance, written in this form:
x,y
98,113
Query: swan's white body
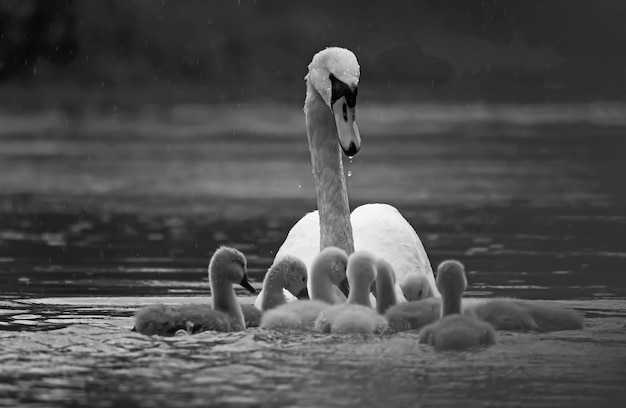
x,y
379,228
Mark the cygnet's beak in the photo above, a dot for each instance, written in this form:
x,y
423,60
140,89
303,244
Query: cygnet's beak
x,y
303,294
347,130
344,287
246,284
373,288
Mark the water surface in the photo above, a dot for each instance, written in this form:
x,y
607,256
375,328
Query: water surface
x,y
101,214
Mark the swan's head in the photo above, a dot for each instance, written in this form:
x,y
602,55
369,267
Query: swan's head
x,y
334,73
294,273
451,280
229,265
415,287
331,261
361,271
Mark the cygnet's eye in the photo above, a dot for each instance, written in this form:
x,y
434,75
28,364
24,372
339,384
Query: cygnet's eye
x,y
304,279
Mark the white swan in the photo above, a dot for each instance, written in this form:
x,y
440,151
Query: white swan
x,y
327,270
288,274
455,331
357,314
227,266
329,110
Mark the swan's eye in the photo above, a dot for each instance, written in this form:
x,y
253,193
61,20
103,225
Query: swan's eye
x,y
340,89
345,112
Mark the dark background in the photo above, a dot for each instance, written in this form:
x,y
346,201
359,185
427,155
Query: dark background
x,y
445,50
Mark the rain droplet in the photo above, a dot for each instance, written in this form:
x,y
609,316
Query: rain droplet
x,y
349,173
299,185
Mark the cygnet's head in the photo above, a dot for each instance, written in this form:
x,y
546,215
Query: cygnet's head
x,y
331,261
295,276
361,271
229,265
451,280
334,73
415,287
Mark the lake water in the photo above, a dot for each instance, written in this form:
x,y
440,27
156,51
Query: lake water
x,y
104,212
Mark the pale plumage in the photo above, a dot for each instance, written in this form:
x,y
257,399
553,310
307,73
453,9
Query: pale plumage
x,y
331,127
227,266
357,314
455,331
284,282
327,270
525,315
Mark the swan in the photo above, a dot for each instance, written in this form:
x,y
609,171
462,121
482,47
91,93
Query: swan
x,y
384,286
227,266
357,314
455,331
415,287
418,311
525,315
327,270
288,274
329,108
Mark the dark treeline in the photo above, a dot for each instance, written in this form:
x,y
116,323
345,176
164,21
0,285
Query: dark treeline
x,y
450,49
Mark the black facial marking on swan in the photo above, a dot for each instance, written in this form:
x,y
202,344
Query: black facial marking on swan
x,y
340,89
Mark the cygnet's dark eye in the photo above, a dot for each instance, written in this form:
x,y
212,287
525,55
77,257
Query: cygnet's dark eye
x,y
303,279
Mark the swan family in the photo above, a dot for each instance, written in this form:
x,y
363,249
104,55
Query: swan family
x,y
364,271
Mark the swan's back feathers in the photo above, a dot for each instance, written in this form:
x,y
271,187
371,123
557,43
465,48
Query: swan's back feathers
x,y
362,320
382,230
413,315
298,315
551,316
378,228
166,320
303,240
525,315
251,315
504,314
350,318
458,332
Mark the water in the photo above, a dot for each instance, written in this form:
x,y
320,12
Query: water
x,y
101,214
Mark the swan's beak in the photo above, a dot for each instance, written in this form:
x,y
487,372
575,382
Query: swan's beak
x,y
347,130
246,284
303,294
344,287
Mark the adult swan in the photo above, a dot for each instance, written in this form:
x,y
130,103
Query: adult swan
x,y
329,110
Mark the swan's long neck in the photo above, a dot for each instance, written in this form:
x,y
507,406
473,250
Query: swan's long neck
x,y
359,296
273,290
385,291
451,304
321,287
224,300
330,182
